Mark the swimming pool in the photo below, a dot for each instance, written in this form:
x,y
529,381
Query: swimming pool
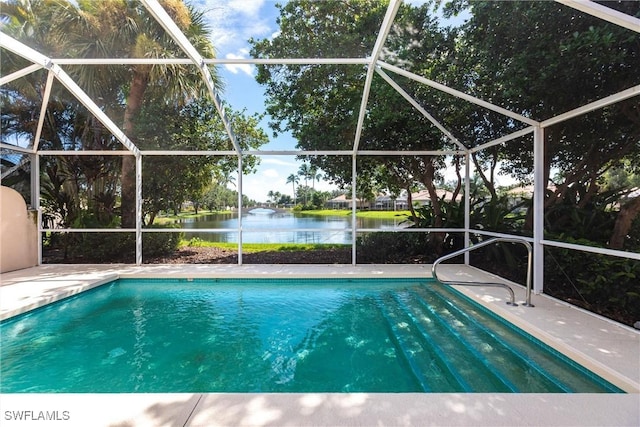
x,y
278,335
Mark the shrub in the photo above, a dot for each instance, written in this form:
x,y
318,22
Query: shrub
x,y
154,244
603,284
390,248
116,247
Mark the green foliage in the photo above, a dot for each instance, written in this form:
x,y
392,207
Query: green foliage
x,y
497,214
218,198
322,116
160,243
552,60
592,221
195,242
108,247
102,248
394,248
169,181
262,247
603,284
105,248
158,105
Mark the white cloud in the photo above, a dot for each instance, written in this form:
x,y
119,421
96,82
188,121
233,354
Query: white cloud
x,y
256,187
233,22
270,173
237,68
278,161
247,7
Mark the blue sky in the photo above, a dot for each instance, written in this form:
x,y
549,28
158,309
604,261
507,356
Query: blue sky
x,y
233,23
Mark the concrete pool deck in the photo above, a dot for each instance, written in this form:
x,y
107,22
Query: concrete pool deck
x,y
606,347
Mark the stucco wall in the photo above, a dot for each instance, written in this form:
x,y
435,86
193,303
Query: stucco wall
x,y
18,232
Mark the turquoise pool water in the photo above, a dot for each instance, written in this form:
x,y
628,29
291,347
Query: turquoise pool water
x,y
278,335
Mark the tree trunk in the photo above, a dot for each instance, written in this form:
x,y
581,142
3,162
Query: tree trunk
x,y
152,217
437,239
488,182
456,191
623,224
128,177
410,202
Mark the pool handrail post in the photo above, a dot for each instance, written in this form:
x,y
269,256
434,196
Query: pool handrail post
x,y
527,302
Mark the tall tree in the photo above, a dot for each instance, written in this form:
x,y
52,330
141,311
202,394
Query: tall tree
x,y
169,181
121,29
319,104
554,60
304,171
160,114
293,179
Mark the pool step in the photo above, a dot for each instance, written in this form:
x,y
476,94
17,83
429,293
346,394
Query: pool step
x,y
426,359
346,352
517,365
481,375
420,334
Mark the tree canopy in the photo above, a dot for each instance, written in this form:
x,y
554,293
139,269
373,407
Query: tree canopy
x,y
537,59
160,107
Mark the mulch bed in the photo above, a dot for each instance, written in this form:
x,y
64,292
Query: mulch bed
x,y
212,255
207,255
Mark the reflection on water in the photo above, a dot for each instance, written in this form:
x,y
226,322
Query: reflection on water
x,y
262,225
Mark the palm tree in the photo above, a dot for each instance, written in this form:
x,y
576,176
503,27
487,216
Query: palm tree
x,y
305,172
120,29
315,177
293,179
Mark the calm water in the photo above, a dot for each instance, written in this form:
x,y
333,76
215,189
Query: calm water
x,y
276,227
277,335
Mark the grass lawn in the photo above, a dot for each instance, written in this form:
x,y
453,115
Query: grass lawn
x,y
361,214
261,247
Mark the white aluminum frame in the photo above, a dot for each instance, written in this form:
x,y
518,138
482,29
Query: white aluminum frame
x,y
373,64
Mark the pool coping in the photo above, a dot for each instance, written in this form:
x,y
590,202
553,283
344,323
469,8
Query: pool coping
x,y
607,348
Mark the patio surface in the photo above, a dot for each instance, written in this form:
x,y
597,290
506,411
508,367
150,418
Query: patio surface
x,y
606,347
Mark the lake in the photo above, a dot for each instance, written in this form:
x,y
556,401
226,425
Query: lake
x,y
262,225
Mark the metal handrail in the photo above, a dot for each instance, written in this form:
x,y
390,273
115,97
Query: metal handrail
x,y
503,285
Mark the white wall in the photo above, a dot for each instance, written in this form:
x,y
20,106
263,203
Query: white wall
x,y
18,232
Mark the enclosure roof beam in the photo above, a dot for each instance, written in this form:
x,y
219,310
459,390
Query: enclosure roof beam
x,y
43,111
392,10
506,138
611,99
93,108
20,73
603,12
301,153
163,18
458,94
15,167
26,52
235,153
212,61
17,148
421,109
291,61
